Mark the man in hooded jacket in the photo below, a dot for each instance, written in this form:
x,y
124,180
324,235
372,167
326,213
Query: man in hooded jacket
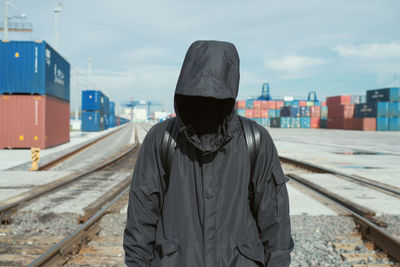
x,y
204,216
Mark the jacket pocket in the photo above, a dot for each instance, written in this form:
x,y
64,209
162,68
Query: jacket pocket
x,y
252,251
282,200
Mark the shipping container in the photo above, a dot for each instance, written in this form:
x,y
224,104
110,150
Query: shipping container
x,y
272,104
368,110
340,123
93,100
287,103
285,111
112,107
365,124
249,113
394,124
382,109
305,122
314,122
93,121
355,99
323,123
305,111
384,95
256,113
249,104
324,111
106,105
266,122
315,111
111,121
294,122
279,104
105,119
241,104
310,103
33,121
264,113
394,109
273,113
323,103
382,124
294,112
241,112
302,103
295,103
29,67
264,105
338,100
257,104
345,111
275,122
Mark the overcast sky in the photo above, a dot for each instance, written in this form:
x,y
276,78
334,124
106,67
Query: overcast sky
x,y
331,47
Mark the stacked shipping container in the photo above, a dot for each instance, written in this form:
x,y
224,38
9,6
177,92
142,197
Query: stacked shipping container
x,y
34,101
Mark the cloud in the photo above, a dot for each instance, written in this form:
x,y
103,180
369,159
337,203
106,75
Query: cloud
x,y
294,66
375,51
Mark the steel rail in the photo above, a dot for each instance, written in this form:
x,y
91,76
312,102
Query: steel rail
x,y
383,187
368,230
16,201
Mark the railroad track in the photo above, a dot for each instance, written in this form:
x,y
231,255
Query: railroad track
x,y
370,228
21,248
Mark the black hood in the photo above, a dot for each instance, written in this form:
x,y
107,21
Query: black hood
x,y
206,91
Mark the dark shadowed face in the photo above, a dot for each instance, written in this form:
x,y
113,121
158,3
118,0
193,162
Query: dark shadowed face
x,y
204,114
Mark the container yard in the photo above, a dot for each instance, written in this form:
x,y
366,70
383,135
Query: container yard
x,y
104,159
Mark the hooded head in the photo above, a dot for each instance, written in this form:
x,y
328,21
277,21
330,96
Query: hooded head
x,y
207,87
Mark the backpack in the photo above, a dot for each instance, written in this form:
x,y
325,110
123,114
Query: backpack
x,y
251,133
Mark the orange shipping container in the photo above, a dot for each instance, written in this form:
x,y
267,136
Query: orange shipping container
x,y
279,104
249,113
271,104
302,103
264,113
338,100
256,105
265,104
256,113
33,121
323,103
241,104
365,124
315,111
315,122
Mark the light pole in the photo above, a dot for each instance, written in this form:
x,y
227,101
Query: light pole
x,y
5,28
57,11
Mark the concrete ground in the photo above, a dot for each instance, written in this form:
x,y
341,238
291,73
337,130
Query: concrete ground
x,y
374,155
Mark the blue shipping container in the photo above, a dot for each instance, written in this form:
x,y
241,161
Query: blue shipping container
x,y
111,121
394,109
382,124
29,67
93,100
106,105
305,122
112,107
294,122
295,112
384,94
92,121
285,122
394,124
382,109
249,104
305,111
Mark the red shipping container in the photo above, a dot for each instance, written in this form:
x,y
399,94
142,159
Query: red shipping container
x,y
365,124
279,104
338,100
33,121
264,104
340,123
315,111
264,113
345,111
302,103
257,104
249,113
271,104
323,104
241,104
256,113
315,122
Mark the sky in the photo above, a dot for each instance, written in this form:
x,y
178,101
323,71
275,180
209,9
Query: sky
x,y
138,47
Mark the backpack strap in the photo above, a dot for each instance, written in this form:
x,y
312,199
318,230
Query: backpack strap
x,y
253,140
168,147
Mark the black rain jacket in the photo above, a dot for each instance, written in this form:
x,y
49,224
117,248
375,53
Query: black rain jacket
x,y
205,217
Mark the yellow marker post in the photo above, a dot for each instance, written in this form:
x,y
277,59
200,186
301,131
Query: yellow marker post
x,y
35,156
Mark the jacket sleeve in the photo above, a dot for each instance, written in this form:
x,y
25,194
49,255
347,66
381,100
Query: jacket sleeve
x,y
271,204
145,201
